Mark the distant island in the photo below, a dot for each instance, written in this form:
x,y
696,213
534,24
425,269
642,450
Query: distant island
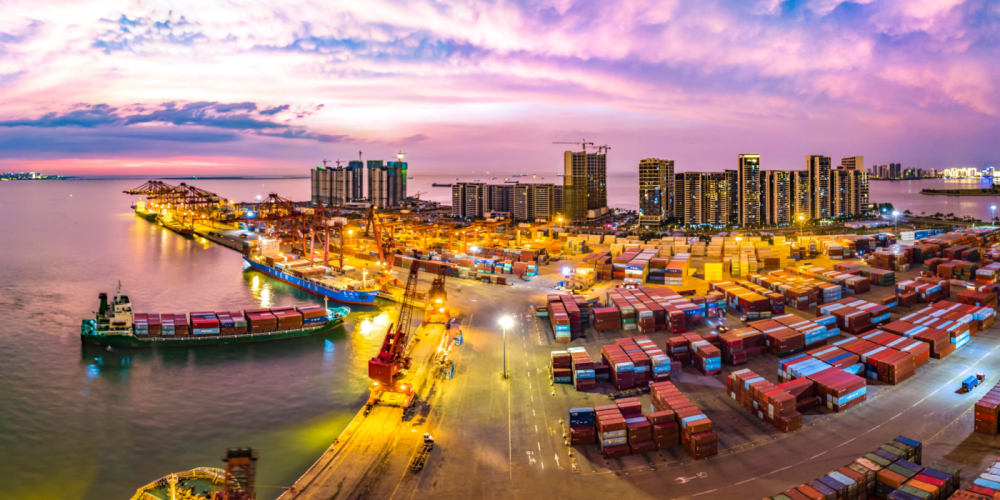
x,y
990,191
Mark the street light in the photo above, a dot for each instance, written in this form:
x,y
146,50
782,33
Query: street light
x,y
993,214
350,234
505,323
802,222
895,222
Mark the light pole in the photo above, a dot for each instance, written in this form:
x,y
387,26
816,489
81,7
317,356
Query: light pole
x,y
505,322
802,222
350,235
895,223
993,213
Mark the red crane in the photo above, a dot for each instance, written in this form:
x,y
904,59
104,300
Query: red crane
x,y
385,368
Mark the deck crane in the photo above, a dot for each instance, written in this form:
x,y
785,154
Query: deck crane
x,y
388,368
584,143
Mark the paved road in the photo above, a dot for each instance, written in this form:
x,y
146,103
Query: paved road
x,y
500,438
503,439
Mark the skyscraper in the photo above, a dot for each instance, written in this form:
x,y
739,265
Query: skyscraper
x,y
585,186
715,207
656,191
840,186
692,202
468,199
853,163
733,184
749,190
500,198
818,168
801,195
778,199
386,183
337,186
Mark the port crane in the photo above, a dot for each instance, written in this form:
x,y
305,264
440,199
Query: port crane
x,y
388,368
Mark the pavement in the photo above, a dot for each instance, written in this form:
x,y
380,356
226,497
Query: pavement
x,y
502,437
472,414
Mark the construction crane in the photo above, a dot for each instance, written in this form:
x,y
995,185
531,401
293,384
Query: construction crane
x,y
388,368
605,148
417,195
584,144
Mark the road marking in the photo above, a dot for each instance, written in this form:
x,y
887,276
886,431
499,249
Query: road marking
x,y
539,447
814,456
536,428
852,439
557,461
532,412
747,481
702,493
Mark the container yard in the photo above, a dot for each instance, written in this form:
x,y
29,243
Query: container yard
x,y
738,367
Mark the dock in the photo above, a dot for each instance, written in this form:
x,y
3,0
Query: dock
x,y
352,465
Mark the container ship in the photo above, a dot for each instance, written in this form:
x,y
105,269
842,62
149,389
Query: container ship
x,y
315,279
141,211
116,325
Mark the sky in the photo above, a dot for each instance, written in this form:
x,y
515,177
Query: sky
x,y
222,87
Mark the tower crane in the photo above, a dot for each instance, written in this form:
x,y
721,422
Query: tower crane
x,y
584,144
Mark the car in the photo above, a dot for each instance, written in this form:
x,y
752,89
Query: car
x,y
243,235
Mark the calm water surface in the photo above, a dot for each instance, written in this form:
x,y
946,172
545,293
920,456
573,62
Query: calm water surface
x,y
82,423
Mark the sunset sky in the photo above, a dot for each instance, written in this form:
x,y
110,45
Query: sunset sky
x,y
273,87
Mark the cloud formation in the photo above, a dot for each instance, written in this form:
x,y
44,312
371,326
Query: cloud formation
x,y
697,81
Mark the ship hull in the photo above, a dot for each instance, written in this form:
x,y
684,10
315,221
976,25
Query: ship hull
x,y
132,341
341,296
150,216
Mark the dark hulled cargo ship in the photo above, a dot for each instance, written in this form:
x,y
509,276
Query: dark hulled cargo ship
x,y
116,325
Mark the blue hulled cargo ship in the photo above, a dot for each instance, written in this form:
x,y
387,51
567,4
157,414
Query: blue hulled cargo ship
x,y
337,289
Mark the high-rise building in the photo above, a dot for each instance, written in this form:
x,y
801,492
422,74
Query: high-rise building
x,y
849,192
500,198
656,191
715,189
401,169
778,197
692,202
749,190
818,168
337,186
733,184
534,202
386,183
557,195
801,195
468,199
585,181
853,163
840,182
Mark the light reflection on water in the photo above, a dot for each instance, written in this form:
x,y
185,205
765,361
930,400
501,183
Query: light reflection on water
x,y
100,423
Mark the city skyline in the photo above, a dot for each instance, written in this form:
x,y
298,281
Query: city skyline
x,y
105,87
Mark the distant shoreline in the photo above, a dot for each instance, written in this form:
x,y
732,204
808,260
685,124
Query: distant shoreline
x,y
960,192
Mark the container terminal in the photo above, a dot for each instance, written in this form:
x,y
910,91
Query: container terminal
x,y
801,358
